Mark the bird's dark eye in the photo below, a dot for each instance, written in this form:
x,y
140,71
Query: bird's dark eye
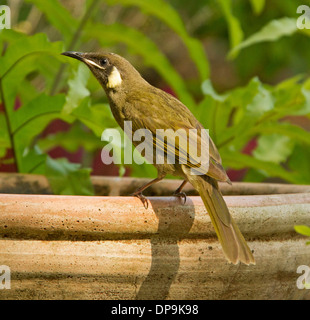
x,y
103,62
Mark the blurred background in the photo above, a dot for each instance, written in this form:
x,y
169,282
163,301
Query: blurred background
x,y
242,67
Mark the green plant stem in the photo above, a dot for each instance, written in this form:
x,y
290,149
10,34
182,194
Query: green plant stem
x,y
8,123
73,42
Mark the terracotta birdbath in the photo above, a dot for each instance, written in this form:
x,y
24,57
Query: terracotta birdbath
x,y
110,247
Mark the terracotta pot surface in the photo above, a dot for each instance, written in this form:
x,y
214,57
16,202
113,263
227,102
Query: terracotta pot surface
x,y
111,247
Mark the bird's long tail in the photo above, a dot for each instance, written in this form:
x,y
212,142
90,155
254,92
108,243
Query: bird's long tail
x,y
233,243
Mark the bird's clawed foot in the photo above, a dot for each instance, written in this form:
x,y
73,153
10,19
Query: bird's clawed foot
x,y
181,195
143,199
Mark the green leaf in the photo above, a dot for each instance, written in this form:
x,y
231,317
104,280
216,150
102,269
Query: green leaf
x,y
237,160
274,148
299,162
304,230
96,117
32,160
305,107
25,46
10,35
208,90
234,27
254,175
252,103
262,100
29,121
4,134
213,111
20,59
39,106
291,98
77,88
144,170
294,132
273,31
166,13
71,140
67,178
2,153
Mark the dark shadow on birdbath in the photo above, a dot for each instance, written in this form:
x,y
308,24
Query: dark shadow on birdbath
x,y
172,227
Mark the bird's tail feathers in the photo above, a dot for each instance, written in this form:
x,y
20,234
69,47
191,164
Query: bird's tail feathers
x,y
233,243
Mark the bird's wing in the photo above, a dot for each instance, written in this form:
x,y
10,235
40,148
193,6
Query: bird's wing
x,y
174,119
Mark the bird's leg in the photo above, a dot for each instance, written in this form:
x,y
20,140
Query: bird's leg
x,y
138,193
178,192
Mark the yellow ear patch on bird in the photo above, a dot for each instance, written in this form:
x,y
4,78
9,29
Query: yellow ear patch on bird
x,y
114,78
87,61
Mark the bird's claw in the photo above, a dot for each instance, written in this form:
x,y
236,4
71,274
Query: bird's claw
x,y
142,198
181,195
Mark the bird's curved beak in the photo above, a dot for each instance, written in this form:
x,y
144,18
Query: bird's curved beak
x,y
82,57
74,54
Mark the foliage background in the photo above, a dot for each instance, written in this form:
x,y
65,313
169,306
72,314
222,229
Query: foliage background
x,y
242,67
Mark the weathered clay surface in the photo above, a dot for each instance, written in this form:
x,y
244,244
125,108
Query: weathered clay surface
x,y
71,247
150,269
115,186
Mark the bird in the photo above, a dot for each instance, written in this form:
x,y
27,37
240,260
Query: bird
x,y
132,98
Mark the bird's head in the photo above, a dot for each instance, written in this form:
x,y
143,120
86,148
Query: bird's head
x,y
111,70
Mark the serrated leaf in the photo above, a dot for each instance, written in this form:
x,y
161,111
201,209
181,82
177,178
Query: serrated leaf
x,y
274,148
262,100
67,178
19,60
77,88
252,103
291,98
36,44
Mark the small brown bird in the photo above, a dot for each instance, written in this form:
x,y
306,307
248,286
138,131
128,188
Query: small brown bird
x,y
133,99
